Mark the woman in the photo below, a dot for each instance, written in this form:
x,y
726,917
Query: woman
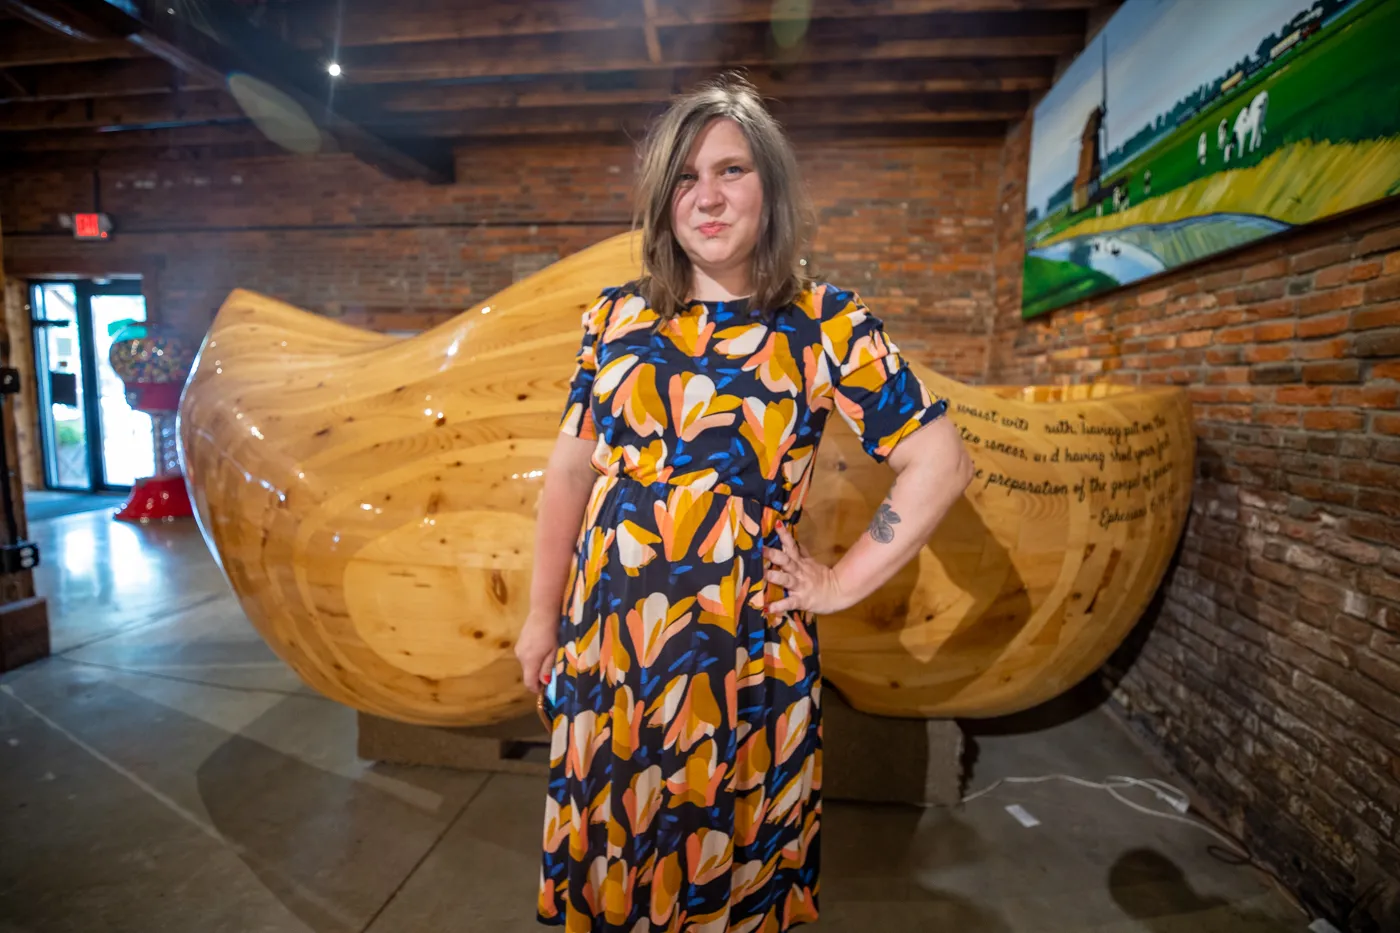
x,y
685,778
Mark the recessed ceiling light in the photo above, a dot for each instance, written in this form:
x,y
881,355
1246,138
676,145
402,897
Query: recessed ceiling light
x,y
334,69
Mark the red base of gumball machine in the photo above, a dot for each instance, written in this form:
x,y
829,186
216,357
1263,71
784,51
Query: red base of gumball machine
x,y
157,499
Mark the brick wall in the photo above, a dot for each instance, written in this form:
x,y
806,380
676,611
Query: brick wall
x,y
907,225
1270,673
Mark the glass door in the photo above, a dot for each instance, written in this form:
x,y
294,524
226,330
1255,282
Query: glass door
x,y
59,370
93,440
128,439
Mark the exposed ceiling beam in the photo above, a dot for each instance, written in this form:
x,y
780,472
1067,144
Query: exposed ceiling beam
x,y
135,76
111,114
10,86
23,45
282,75
87,141
833,80
364,22
733,46
652,37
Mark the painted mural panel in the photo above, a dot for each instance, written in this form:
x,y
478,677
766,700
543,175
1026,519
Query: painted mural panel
x,y
1188,127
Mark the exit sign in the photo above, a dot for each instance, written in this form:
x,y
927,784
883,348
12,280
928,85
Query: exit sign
x,y
87,226
91,226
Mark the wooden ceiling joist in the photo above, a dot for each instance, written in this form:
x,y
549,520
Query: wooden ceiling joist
x,y
132,77
23,46
736,46
831,81
112,114
365,22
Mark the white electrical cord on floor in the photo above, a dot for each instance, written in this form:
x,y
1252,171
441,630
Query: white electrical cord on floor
x,y
1172,796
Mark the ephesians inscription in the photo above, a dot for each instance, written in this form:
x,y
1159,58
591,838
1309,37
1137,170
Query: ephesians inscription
x,y
1080,441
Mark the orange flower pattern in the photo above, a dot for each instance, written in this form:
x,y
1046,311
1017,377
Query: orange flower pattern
x,y
685,772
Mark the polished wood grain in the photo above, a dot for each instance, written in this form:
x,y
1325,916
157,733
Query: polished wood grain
x,y
372,501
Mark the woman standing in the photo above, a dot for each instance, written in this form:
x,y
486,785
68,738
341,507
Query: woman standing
x,y
685,778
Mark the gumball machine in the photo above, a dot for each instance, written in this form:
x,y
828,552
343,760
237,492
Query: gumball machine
x,y
154,367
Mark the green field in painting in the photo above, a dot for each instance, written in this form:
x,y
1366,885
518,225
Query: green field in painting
x,y
1058,283
1338,87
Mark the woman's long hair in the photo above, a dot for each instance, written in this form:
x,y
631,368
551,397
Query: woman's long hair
x,y
786,223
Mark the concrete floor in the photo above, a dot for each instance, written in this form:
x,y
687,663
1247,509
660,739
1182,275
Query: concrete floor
x,y
164,771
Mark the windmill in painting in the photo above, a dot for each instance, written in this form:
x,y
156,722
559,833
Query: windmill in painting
x,y
1229,122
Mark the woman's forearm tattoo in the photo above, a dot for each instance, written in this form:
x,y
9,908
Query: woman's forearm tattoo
x,y
881,526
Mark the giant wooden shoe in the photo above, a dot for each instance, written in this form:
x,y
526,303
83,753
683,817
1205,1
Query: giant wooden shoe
x,y
372,502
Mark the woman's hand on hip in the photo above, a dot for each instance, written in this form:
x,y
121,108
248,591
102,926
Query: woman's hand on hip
x,y
810,584
535,649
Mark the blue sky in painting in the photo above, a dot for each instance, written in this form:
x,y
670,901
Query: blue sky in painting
x,y
1158,52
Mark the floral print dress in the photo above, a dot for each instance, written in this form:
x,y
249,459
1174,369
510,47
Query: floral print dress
x,y
685,773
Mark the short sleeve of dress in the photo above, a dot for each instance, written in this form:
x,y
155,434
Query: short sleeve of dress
x,y
578,415
875,390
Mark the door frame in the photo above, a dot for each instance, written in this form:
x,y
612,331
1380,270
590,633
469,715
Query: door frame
x,y
83,291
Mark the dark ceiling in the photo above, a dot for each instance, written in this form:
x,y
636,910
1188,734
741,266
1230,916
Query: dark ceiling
x,y
420,76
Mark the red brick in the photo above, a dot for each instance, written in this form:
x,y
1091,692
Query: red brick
x,y
1385,424
1216,281
1370,474
1321,490
1324,326
1277,417
1269,310
1365,271
1152,298
1304,395
1386,289
1392,263
1332,276
1238,413
1374,528
1196,338
1381,315
1333,349
1226,355
1260,292
1369,397
1378,343
1340,371
1236,334
1381,501
1379,241
1323,256
1389,452
1389,370
1353,550
1332,300
1282,330
1269,353
1271,269
1333,421
1228,375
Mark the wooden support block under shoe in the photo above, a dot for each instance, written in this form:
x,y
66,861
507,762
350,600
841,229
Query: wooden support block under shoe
x,y
518,746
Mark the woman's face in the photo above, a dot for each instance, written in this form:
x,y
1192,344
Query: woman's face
x,y
718,201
